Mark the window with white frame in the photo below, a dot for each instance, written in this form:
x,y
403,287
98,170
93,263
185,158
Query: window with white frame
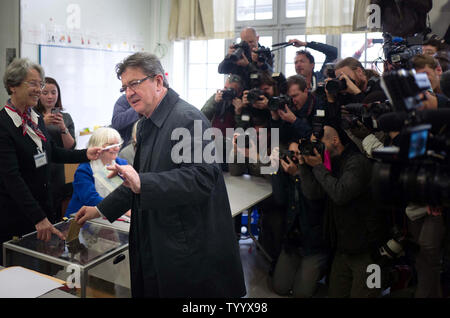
x,y
276,21
204,60
254,10
361,46
199,61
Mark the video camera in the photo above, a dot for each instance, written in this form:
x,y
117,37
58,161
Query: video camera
x,y
418,169
398,52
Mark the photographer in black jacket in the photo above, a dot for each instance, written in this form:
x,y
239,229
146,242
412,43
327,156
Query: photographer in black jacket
x,y
295,122
352,225
247,62
304,257
352,84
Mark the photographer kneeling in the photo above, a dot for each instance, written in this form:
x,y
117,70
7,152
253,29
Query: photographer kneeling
x,y
352,225
304,257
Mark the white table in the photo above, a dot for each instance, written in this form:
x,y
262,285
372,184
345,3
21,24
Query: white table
x,y
245,191
56,293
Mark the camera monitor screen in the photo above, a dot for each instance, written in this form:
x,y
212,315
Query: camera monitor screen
x,y
418,143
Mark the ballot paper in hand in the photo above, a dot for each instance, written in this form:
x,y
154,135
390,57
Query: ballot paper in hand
x,y
74,230
19,282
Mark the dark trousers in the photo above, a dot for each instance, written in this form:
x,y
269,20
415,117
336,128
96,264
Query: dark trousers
x,y
348,277
428,232
272,229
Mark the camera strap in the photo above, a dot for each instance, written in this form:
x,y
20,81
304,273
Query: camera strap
x,y
311,104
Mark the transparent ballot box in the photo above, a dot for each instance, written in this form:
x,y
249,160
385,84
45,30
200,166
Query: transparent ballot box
x,y
96,263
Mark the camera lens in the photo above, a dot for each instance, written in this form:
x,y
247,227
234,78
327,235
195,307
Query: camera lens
x,y
334,86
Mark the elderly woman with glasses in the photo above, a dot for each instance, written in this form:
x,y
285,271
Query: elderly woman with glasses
x,y
25,152
91,182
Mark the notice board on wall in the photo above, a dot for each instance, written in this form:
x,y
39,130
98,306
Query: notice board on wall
x,y
88,82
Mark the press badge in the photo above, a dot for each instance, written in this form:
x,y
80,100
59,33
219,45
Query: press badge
x,y
40,159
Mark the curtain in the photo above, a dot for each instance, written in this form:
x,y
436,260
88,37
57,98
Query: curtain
x,y
201,20
360,15
329,16
224,17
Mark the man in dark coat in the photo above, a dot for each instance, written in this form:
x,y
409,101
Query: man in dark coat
x,y
352,225
182,242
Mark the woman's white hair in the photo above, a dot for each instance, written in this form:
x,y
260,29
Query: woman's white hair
x,y
104,135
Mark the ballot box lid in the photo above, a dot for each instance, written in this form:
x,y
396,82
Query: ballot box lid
x,y
95,243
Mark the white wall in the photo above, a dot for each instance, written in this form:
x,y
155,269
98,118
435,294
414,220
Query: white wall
x,y
9,37
112,21
141,20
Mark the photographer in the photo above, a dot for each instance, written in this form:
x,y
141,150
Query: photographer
x,y
221,107
271,214
256,101
432,46
295,122
304,61
352,225
304,257
427,64
247,62
353,84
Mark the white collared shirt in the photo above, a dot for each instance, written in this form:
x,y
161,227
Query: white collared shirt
x,y
17,120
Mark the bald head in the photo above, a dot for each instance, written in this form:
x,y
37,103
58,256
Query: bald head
x,y
250,36
330,133
332,141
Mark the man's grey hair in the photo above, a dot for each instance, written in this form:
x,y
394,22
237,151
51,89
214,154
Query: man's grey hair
x,y
148,63
17,71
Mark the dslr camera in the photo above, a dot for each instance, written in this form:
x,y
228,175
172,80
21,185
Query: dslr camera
x,y
285,154
228,94
241,48
306,147
265,57
279,102
254,95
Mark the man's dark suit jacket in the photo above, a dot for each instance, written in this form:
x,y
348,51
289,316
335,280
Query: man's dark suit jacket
x,y
182,242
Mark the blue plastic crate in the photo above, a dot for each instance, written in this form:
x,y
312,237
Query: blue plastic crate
x,y
253,222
